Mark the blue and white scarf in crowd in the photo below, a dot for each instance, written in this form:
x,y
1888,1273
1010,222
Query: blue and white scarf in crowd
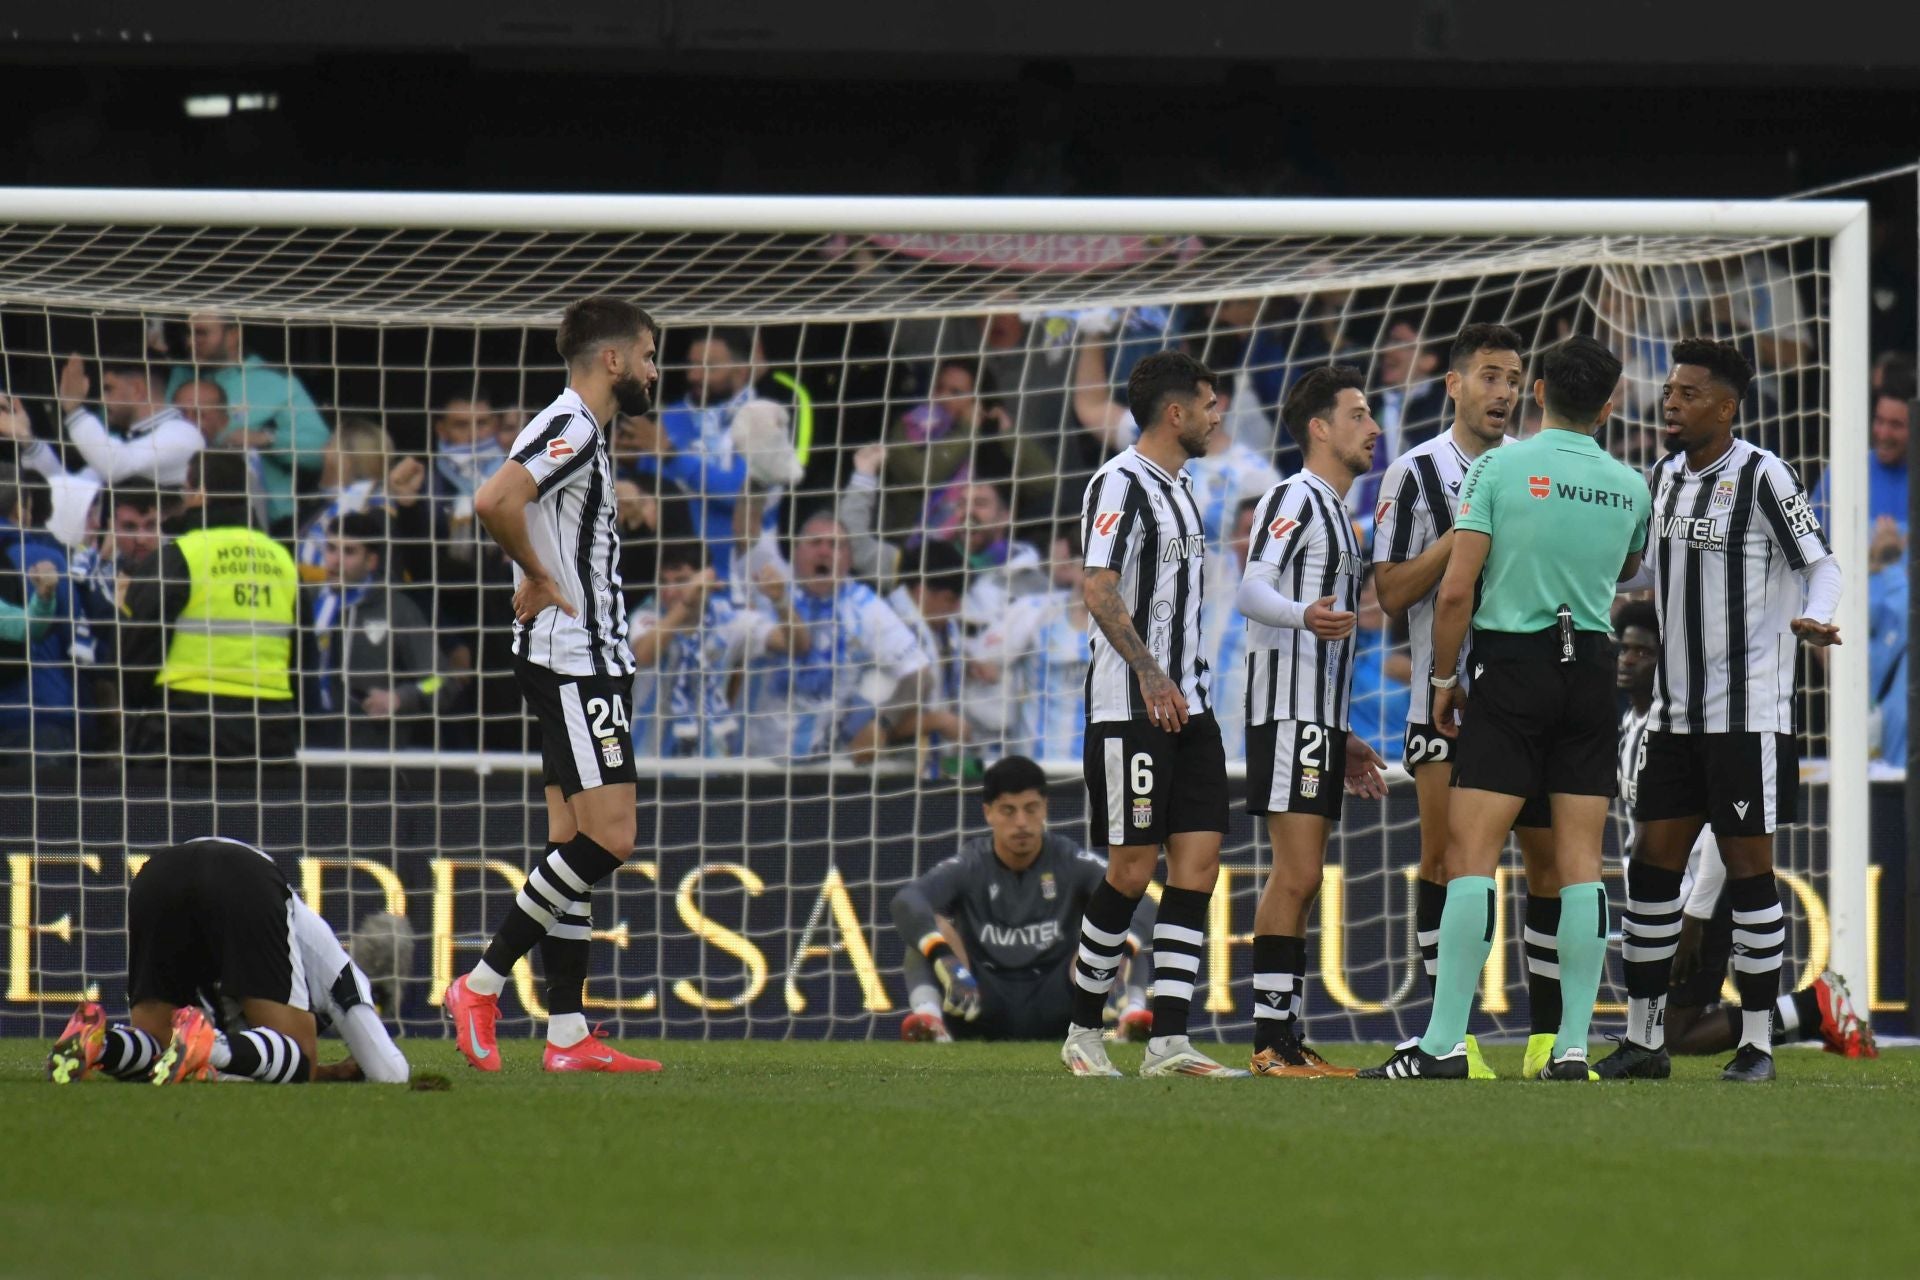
x,y
329,607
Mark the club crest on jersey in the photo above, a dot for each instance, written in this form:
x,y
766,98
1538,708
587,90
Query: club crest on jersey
x,y
1539,486
1723,494
1143,813
1106,522
1048,889
611,753
1309,783
560,448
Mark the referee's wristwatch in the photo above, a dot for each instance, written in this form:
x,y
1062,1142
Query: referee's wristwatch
x,y
1450,682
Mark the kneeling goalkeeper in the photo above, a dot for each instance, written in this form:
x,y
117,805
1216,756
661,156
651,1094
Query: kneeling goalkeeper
x,y
1011,903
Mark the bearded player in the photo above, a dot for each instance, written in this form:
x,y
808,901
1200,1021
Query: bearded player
x,y
1413,539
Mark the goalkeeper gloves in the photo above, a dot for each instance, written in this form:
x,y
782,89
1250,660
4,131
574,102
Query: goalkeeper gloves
x,y
961,992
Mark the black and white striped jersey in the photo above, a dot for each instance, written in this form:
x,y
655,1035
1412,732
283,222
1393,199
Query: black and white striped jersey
x,y
1633,752
1144,524
1726,547
1301,530
1418,498
574,532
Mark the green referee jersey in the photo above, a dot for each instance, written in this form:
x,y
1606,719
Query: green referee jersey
x,y
1563,516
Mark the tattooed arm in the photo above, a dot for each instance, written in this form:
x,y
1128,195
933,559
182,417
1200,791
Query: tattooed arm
x,y
1166,708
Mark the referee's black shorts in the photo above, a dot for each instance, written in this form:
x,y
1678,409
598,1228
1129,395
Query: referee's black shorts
x,y
1535,725
586,734
1145,784
212,919
1425,744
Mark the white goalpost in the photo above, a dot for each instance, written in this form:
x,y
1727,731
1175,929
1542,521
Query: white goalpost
x,y
982,344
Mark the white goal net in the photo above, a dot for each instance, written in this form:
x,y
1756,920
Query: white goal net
x,y
940,378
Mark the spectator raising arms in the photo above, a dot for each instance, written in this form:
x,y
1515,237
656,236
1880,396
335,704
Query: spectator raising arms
x,y
859,673
269,412
689,645
156,441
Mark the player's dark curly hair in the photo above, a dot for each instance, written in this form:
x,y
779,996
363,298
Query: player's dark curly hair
x,y
1721,359
1009,776
1637,613
1476,338
1315,395
1581,375
593,322
1160,377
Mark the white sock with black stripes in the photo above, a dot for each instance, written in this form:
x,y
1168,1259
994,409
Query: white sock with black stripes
x,y
261,1054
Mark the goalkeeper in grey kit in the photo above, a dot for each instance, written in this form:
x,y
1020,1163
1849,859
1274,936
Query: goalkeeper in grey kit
x,y
1010,902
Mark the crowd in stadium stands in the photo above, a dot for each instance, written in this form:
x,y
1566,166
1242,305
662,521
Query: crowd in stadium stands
x,y
801,586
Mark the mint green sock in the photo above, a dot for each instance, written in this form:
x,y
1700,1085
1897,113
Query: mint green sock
x,y
1583,954
1466,939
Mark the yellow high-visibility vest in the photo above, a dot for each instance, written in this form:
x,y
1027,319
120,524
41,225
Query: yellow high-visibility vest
x,y
235,637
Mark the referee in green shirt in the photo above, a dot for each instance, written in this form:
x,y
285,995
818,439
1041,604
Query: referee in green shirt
x,y
1546,527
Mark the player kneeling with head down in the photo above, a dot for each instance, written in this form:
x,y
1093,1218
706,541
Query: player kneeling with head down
x,y
991,932
1301,588
213,925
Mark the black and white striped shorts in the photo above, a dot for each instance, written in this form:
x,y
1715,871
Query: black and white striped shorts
x,y
586,737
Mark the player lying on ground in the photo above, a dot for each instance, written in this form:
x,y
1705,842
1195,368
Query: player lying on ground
x,y
1155,769
1301,588
1696,1022
1413,537
1555,523
229,973
1740,571
551,507
1012,899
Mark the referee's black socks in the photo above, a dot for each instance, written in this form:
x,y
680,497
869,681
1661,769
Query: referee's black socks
x,y
1103,942
1650,934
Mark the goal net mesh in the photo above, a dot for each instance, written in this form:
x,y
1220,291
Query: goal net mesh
x,y
989,370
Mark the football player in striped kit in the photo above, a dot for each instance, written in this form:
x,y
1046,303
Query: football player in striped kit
x,y
1155,770
1741,572
551,506
1299,595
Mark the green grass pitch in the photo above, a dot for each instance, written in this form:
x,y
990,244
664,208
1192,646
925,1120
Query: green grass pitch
x,y
774,1159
